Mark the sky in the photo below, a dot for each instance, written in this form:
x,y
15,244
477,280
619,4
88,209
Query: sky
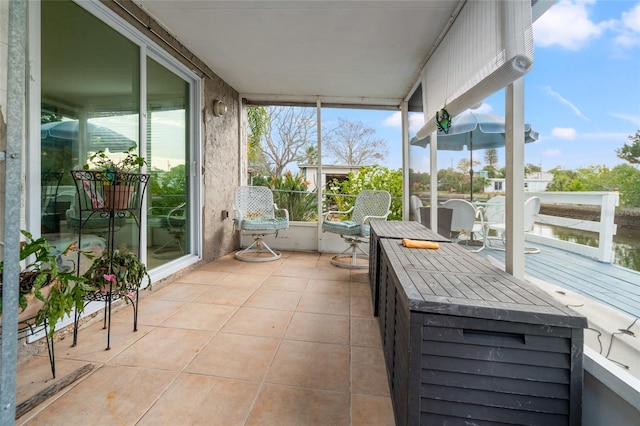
x,y
582,94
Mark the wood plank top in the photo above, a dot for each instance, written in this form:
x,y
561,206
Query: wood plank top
x,y
456,282
405,229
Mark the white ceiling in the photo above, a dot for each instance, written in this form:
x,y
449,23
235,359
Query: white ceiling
x,y
342,51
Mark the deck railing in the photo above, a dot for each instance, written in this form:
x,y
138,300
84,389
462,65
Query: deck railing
x,y
605,227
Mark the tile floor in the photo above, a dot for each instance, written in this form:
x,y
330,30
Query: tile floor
x,y
290,342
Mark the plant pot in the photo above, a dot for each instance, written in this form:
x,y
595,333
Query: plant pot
x,y
117,196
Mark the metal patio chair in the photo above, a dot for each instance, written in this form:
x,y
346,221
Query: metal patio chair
x,y
467,223
369,205
257,215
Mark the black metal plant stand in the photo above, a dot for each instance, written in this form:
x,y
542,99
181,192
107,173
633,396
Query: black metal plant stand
x,y
106,201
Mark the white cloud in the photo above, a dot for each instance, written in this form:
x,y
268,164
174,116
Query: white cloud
x,y
416,121
633,119
564,132
564,101
567,25
630,28
552,153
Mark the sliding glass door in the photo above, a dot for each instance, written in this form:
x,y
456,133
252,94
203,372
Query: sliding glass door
x,y
98,87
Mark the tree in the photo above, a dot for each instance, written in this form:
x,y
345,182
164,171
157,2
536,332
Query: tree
x,y
353,144
631,153
257,119
491,157
531,168
287,132
374,177
310,155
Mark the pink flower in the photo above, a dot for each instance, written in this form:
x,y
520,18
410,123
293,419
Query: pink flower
x,y
109,277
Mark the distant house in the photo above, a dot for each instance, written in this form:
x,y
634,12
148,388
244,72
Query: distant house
x,y
534,182
310,173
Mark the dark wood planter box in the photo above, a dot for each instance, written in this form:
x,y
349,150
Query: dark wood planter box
x,y
394,230
466,343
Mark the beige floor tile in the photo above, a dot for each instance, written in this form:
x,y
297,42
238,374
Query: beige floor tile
x,y
320,328
360,275
311,365
258,322
203,276
178,292
365,331
151,312
293,283
368,372
111,395
360,289
225,295
274,299
330,272
361,306
244,280
324,304
203,400
294,271
35,375
367,410
236,356
201,316
338,288
164,349
92,342
289,406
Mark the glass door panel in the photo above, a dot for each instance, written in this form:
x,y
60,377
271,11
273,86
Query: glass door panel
x,y
167,154
90,97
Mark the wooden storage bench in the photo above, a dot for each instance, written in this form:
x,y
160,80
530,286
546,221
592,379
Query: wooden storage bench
x,y
466,343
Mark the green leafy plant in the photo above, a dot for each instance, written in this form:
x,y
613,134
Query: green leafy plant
x,y
66,289
131,162
290,192
123,269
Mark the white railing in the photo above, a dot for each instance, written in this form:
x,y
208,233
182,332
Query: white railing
x,y
605,228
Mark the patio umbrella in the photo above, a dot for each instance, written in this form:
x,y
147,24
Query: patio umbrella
x,y
60,134
475,131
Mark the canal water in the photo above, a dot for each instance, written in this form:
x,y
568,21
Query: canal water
x,y
626,244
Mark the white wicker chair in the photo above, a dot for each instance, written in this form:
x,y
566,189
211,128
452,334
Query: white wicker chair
x,y
255,214
369,205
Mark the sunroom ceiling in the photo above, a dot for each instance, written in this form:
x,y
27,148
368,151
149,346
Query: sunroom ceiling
x,y
349,52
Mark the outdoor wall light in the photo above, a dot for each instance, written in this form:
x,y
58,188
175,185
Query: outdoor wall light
x,y
219,108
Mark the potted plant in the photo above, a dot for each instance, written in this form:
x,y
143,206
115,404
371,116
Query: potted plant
x,y
115,176
120,271
47,290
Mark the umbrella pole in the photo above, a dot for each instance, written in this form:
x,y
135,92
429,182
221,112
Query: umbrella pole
x,y
471,165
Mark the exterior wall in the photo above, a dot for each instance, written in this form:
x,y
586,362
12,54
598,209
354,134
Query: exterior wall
x,y
220,137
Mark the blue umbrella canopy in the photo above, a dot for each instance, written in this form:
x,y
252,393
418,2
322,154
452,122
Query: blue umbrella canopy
x,y
60,134
474,131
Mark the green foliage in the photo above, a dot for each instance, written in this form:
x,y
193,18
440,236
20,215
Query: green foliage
x,y
130,163
631,152
257,119
66,289
290,192
373,177
491,157
622,178
168,188
123,269
419,181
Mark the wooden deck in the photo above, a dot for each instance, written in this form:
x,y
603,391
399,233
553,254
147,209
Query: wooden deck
x,y
607,283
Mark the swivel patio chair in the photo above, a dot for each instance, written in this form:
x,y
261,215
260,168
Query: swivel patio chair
x,y
467,224
369,205
257,215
